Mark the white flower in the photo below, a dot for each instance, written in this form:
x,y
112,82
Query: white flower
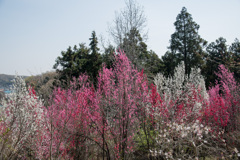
x,y
235,150
183,135
206,131
178,128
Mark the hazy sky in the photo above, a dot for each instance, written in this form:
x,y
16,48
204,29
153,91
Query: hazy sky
x,y
34,32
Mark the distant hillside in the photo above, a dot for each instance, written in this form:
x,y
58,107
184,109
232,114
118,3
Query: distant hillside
x,y
6,80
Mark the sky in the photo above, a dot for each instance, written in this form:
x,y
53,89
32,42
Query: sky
x,y
34,32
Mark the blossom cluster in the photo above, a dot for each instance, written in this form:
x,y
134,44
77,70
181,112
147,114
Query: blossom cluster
x,y
22,119
184,140
123,117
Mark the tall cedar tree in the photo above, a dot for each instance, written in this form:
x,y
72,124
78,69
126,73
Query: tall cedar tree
x,y
186,44
95,57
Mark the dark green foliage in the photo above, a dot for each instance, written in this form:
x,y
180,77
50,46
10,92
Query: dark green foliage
x,y
169,62
135,48
235,51
186,44
217,54
93,44
72,63
152,65
220,53
136,51
108,56
76,61
95,59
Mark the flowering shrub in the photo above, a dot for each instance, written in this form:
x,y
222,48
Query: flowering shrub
x,y
123,93
187,141
107,117
21,121
225,100
124,117
69,119
192,112
223,111
182,94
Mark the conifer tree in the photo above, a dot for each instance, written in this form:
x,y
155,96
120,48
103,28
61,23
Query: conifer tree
x,y
108,56
217,54
135,48
72,63
186,44
235,50
95,57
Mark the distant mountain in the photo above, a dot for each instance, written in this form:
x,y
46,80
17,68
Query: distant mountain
x,y
6,80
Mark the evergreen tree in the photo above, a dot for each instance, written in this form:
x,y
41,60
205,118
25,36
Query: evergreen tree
x,y
217,54
72,63
95,57
108,56
136,51
135,48
93,44
186,44
77,61
153,64
169,62
235,50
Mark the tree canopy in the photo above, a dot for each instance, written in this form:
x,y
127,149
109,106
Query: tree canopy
x,y
185,43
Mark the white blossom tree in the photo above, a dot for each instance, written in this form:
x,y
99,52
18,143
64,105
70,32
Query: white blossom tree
x,y
189,141
182,89
21,121
182,129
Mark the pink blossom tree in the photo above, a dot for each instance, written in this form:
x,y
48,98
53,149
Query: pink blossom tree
x,y
123,93
107,118
69,120
223,112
